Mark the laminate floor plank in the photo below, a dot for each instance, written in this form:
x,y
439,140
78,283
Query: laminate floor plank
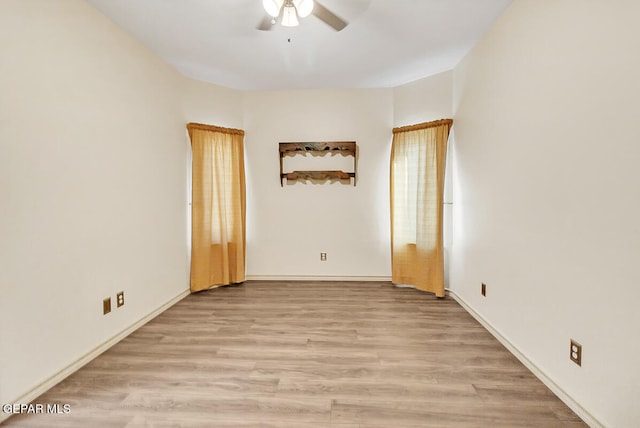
x,y
439,414
197,421
306,354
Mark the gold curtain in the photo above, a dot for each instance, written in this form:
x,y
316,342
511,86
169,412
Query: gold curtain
x,y
418,156
218,206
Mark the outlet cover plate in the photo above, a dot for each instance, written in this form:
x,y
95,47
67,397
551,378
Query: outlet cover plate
x,y
575,352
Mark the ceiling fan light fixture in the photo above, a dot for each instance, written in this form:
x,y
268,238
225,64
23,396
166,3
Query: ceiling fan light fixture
x,y
272,7
304,7
290,16
289,12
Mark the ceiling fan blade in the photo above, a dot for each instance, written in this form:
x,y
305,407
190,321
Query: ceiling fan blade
x,y
266,24
328,17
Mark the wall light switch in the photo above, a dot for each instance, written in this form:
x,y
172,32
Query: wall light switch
x,y
106,306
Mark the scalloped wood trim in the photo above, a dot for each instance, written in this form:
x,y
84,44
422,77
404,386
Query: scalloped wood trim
x,y
344,147
318,175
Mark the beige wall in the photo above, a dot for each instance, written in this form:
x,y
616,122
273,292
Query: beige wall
x,y
547,199
92,186
211,104
424,100
288,227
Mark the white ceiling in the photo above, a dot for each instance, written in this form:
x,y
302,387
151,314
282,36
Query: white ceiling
x,y
387,42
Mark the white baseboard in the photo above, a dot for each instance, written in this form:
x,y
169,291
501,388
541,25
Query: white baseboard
x,y
316,278
587,417
80,362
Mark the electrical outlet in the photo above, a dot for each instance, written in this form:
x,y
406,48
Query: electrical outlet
x,y
483,290
575,352
106,306
120,298
323,257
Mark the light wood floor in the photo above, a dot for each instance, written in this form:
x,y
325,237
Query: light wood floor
x,y
307,354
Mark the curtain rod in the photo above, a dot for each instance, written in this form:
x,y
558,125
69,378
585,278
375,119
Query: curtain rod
x,y
424,125
201,126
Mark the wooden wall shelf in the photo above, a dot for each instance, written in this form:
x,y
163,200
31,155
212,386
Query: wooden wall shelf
x,y
346,148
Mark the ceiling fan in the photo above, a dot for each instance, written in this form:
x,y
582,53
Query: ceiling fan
x,y
287,13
